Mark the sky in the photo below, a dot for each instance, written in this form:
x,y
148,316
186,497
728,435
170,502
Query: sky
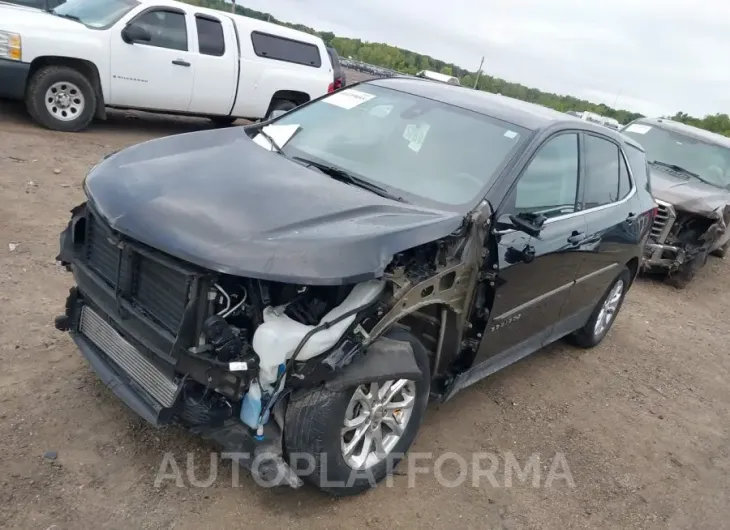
x,y
656,57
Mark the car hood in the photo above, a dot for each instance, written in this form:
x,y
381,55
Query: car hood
x,y
689,195
218,200
16,18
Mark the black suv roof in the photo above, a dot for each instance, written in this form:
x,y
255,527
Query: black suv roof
x,y
522,113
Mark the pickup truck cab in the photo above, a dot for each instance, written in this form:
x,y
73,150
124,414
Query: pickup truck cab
x,y
71,63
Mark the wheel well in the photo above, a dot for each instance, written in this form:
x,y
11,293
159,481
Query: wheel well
x,y
87,68
633,266
295,97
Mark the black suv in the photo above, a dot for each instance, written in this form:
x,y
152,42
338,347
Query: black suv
x,y
301,288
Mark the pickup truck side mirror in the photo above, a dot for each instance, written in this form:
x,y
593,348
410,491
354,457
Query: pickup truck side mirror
x,y
134,33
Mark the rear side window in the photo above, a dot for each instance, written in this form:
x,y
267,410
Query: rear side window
x,y
282,49
639,166
210,36
602,172
166,28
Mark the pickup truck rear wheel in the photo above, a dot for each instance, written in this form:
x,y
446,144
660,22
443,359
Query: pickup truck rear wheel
x,y
355,437
279,107
61,98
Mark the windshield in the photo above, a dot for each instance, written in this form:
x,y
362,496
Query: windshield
x,y
413,147
96,14
710,162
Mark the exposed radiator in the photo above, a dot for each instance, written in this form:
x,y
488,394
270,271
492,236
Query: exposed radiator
x,y
108,340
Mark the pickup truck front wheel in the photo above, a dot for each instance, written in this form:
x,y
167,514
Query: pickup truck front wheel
x,y
61,98
345,442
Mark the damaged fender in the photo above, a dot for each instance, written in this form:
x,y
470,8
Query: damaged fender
x,y
385,359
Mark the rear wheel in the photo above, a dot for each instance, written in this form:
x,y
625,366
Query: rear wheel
x,y
357,436
604,314
61,98
278,108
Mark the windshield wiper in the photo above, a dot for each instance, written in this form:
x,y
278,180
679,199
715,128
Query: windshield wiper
x,y
674,167
66,15
273,143
680,169
348,178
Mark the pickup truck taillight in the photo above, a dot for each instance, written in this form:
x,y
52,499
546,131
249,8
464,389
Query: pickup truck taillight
x,y
331,88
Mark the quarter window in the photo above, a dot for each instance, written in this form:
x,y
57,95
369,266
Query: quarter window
x,y
167,29
281,49
602,172
549,185
624,180
210,36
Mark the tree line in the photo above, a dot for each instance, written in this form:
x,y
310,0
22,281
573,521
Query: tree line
x,y
409,62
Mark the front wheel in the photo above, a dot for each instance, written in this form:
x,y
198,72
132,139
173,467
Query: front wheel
x,y
604,314
722,251
61,98
346,442
683,276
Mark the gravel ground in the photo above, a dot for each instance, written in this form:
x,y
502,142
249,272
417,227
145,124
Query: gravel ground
x,y
642,420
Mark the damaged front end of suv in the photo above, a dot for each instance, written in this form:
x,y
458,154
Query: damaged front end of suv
x,y
237,293
690,181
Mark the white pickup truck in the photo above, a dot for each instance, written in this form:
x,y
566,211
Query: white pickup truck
x,y
70,64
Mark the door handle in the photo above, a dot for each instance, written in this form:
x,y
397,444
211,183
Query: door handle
x,y
180,62
632,217
576,238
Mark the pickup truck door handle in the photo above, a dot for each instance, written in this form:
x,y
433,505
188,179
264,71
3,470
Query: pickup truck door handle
x,y
576,238
180,62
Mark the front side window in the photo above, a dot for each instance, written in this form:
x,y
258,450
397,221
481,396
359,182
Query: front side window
x,y
682,154
167,29
601,172
549,184
96,14
422,150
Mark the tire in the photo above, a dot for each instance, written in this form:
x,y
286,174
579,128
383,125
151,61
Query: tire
x,y
683,276
590,335
279,106
72,88
722,251
223,121
313,429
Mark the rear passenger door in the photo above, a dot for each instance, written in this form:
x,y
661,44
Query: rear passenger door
x,y
612,212
216,65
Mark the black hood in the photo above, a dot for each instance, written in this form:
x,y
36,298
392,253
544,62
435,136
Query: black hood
x,y
688,194
218,200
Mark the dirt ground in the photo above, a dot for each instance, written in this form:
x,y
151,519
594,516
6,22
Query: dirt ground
x,y
642,420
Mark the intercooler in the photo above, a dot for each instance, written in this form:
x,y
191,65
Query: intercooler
x,y
127,357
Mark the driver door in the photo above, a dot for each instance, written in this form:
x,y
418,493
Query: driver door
x,y
536,274
155,74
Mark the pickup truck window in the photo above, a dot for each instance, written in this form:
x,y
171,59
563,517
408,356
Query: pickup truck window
x,y
95,14
282,49
210,36
167,29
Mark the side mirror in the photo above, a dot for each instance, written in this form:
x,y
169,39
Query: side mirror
x,y
528,223
134,33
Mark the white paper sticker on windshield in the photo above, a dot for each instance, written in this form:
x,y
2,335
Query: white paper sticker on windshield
x,y
511,135
416,135
638,128
281,134
381,111
348,98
